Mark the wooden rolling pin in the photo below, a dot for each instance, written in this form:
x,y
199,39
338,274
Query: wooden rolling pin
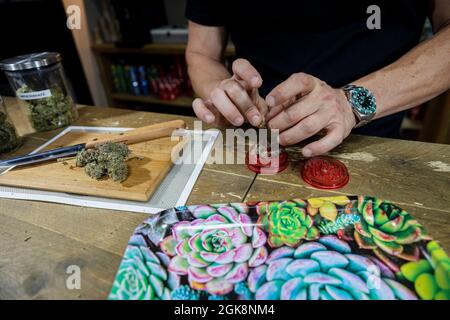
x,y
151,132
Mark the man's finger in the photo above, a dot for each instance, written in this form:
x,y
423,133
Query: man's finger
x,y
297,85
226,107
260,103
293,114
243,70
303,130
273,112
202,112
332,139
239,96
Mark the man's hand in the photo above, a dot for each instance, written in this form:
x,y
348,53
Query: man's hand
x,y
302,106
234,100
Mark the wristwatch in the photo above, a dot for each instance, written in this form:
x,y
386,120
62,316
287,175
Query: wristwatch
x,y
363,103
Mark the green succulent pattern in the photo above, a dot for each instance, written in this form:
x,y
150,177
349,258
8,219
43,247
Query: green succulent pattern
x,y
431,275
388,230
334,248
287,223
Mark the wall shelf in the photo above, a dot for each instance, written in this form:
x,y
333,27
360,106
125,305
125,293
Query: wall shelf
x,y
182,101
107,53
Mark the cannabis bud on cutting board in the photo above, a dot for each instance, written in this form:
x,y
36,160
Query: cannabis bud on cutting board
x,y
106,159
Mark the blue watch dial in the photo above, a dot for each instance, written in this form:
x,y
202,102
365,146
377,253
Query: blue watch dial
x,y
363,100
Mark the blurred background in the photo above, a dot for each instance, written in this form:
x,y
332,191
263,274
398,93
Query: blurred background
x,y
130,54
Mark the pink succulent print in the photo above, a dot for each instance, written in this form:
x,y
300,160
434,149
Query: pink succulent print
x,y
217,249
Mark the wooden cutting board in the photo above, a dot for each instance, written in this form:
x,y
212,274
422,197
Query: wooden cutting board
x,y
145,174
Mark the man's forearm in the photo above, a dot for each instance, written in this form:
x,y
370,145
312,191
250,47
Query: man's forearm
x,y
420,75
205,73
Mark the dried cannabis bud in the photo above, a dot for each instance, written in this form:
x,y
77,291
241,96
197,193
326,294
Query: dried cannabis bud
x,y
8,135
86,156
120,149
95,171
118,171
107,159
50,113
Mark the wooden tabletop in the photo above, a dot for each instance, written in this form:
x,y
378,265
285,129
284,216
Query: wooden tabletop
x,y
38,240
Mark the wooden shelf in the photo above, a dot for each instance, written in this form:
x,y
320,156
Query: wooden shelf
x,y
181,101
151,48
106,53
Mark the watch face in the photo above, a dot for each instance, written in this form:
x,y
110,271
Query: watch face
x,y
363,100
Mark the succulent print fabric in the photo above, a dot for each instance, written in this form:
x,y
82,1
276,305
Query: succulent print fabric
x,y
142,274
217,249
325,269
287,223
335,248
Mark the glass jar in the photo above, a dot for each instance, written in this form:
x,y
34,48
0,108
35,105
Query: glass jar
x,y
41,87
9,140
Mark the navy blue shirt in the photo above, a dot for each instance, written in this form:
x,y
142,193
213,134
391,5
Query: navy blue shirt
x,y
328,39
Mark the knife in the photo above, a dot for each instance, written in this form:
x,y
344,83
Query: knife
x,y
147,133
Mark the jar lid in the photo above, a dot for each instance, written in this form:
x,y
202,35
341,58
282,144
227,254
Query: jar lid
x,y
325,173
30,61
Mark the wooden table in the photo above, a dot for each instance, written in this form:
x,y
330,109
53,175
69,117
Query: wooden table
x,y
38,241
